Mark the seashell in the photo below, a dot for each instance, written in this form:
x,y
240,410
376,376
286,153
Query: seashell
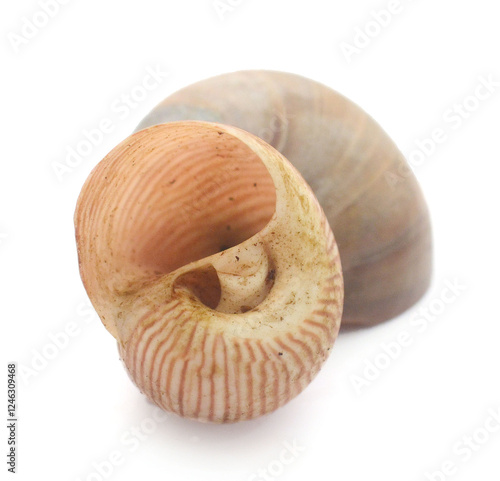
x,y
209,259
381,226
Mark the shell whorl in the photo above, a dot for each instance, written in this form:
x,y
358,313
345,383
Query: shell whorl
x,y
382,227
209,259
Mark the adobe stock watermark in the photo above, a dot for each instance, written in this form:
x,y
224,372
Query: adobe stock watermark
x,y
32,25
58,341
222,7
452,119
365,34
120,109
389,352
467,447
275,133
129,442
275,468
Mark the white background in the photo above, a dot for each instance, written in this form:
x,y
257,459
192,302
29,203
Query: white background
x,y
79,408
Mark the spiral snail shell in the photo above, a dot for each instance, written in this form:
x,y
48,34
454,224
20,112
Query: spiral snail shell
x,y
210,258
381,225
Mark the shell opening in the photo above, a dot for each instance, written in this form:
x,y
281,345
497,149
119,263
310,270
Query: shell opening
x,y
203,283
199,193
